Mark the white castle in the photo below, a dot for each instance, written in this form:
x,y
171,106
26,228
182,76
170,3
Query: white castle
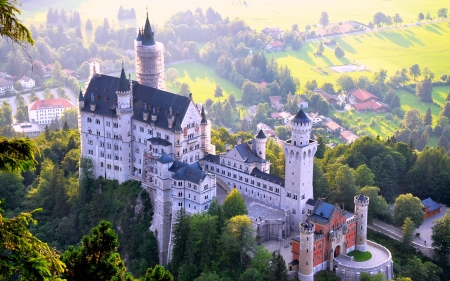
x,y
136,130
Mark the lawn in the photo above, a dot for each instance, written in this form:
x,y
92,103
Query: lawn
x,y
440,94
360,256
305,66
202,81
410,101
396,48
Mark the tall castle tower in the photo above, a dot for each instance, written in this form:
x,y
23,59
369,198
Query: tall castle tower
x,y
305,267
299,152
162,218
361,211
124,112
149,57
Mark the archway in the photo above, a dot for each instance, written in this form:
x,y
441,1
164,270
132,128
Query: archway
x,y
337,251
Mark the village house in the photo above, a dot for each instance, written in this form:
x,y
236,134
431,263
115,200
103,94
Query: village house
x,y
331,99
315,118
27,82
347,137
333,127
371,105
275,103
302,103
360,95
44,111
5,85
283,116
430,207
32,129
275,46
274,32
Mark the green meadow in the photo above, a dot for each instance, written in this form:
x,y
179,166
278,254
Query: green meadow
x,y
396,48
202,81
306,66
410,101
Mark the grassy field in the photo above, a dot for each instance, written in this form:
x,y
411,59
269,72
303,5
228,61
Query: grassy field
x,y
202,81
409,101
396,48
257,13
305,66
360,256
440,94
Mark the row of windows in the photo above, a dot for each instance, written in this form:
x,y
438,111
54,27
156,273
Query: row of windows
x,y
108,166
246,180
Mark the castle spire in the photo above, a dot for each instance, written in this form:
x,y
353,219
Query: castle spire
x,y
148,35
123,82
80,96
204,120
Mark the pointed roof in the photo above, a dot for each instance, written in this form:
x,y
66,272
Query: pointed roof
x,y
177,126
261,135
139,37
148,38
165,158
204,120
307,224
80,96
301,117
123,82
362,198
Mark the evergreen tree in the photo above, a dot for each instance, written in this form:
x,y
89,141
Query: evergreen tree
x,y
428,118
65,126
277,268
97,258
424,90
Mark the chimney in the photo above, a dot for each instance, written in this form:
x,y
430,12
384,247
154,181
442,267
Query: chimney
x,y
238,140
250,145
170,119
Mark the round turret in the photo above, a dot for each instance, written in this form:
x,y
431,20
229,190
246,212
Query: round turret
x,y
301,129
305,270
361,212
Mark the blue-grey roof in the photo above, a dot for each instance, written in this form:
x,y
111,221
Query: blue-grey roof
x,y
104,88
124,84
301,117
190,173
259,174
432,206
176,166
322,211
165,159
159,141
250,156
311,202
261,135
204,120
80,96
148,36
362,198
212,158
139,37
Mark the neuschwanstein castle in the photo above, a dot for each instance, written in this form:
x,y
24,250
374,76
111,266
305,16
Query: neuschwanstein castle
x,y
136,130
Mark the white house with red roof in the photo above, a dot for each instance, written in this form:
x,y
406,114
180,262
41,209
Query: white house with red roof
x,y
44,111
361,95
27,82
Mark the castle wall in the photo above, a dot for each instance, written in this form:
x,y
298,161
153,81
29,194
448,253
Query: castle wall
x,y
248,185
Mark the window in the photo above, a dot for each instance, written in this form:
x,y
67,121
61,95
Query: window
x,y
90,151
288,195
89,119
295,196
108,145
180,194
116,167
90,142
97,121
116,125
141,129
98,133
108,166
102,154
134,127
158,135
108,124
149,131
303,196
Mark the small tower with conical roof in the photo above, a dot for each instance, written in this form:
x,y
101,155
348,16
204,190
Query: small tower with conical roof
x,y
361,211
299,154
205,133
124,112
305,267
177,137
261,141
149,58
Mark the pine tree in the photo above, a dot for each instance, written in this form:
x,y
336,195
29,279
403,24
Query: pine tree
x,y
277,268
428,118
65,126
